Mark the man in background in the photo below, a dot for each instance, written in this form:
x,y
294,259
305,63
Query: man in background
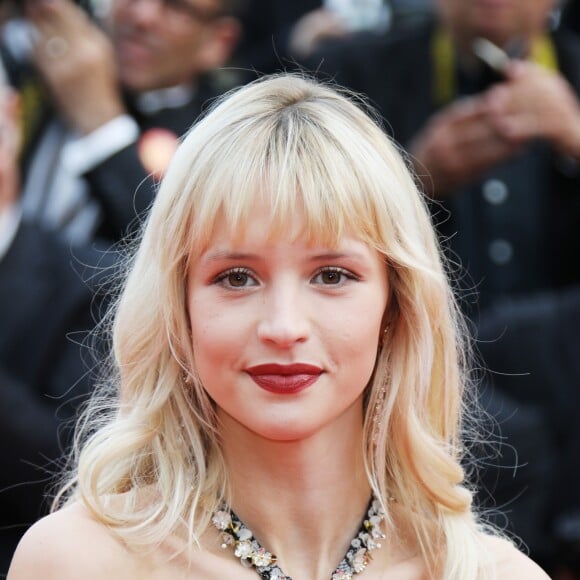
x,y
114,103
49,298
100,114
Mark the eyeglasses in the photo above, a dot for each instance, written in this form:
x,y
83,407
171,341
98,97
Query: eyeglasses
x,y
186,8
193,11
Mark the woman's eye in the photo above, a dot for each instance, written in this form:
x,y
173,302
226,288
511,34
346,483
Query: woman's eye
x,y
333,276
236,278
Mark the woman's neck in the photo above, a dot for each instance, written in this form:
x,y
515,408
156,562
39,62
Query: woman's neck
x,y
304,500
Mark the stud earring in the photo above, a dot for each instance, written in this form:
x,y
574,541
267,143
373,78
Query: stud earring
x,y
383,336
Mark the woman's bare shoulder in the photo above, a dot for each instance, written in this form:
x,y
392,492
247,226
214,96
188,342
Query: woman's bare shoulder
x,y
69,543
512,564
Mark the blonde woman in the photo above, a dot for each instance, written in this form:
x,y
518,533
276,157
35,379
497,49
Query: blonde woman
x,y
291,376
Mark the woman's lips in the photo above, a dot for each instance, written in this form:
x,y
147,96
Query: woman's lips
x,y
284,379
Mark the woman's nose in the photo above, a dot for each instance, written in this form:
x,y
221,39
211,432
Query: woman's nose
x,y
284,320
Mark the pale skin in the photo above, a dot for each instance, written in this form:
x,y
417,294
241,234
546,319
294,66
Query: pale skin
x,y
286,313
251,301
472,135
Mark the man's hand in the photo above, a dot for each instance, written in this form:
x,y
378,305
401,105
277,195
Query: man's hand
x,y
9,147
536,103
457,145
76,60
472,135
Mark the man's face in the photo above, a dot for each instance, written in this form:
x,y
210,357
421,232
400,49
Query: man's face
x,y
163,43
500,21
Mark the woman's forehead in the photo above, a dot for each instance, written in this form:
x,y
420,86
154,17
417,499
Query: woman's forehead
x,y
263,226
225,240
257,241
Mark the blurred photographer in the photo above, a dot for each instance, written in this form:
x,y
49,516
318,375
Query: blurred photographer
x,y
121,93
50,296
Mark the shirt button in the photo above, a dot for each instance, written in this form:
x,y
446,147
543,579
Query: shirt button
x,y
495,191
500,251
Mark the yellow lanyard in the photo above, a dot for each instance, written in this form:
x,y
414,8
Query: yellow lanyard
x,y
32,100
543,53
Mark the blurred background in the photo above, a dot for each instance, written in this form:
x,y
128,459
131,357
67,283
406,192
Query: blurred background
x,y
94,96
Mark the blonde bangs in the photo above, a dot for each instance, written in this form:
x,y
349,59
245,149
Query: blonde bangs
x,y
296,164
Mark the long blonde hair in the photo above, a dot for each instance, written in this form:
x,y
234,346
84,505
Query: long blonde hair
x,y
301,142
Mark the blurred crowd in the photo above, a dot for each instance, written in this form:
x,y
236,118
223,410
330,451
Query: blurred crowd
x,y
484,99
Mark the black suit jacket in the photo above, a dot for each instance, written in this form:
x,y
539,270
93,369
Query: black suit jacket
x,y
532,346
121,184
50,296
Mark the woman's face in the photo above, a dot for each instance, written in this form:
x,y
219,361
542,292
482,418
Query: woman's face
x,y
285,333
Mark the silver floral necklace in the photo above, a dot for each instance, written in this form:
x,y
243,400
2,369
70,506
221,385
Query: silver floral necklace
x,y
252,555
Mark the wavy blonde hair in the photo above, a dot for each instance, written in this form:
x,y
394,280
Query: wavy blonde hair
x,y
312,146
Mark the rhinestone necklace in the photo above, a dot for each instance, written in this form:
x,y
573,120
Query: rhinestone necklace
x,y
253,555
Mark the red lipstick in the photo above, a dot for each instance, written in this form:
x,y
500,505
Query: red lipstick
x,y
284,379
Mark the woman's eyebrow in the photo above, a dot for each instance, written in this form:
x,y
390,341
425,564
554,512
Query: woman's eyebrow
x,y
232,255
221,255
337,256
